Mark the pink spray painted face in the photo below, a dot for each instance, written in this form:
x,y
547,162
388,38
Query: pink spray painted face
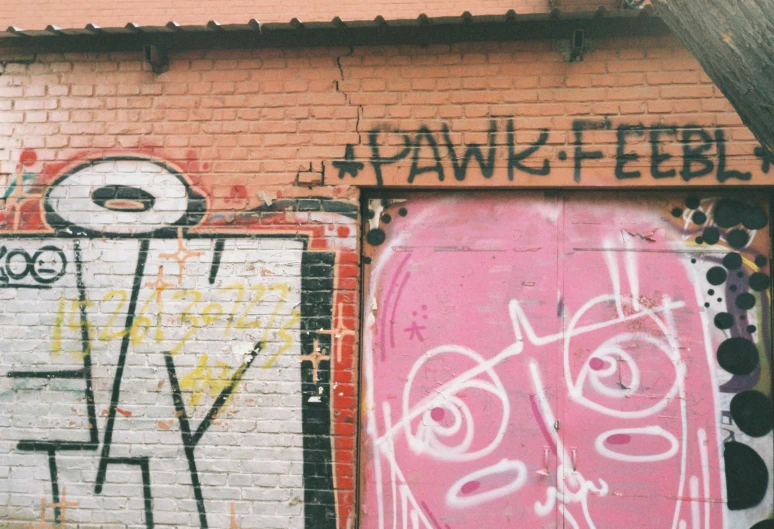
x,y
539,362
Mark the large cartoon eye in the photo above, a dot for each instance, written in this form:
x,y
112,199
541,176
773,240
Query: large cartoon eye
x,y
630,375
439,419
136,195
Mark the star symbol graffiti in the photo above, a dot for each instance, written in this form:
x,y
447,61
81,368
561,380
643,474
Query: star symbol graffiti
x,y
159,285
62,505
316,357
348,165
338,332
181,255
414,330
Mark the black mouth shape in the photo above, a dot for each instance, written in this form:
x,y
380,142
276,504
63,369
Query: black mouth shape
x,y
123,198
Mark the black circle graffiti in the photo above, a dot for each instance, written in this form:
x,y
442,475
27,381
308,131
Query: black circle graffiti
x,y
35,265
9,265
747,477
753,413
737,355
48,275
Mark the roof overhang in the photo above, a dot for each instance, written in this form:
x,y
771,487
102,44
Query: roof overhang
x,y
423,30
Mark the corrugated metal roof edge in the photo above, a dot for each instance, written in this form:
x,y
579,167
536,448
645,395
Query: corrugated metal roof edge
x,y
423,30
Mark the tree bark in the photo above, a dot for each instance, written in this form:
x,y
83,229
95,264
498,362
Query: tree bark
x,y
733,41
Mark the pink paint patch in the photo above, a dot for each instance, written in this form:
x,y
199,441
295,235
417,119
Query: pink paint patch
x,y
469,487
437,414
596,364
619,439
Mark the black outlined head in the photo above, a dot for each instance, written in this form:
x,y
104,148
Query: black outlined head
x,y
122,196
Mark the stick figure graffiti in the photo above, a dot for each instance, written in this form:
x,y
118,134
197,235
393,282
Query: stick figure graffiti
x,y
109,312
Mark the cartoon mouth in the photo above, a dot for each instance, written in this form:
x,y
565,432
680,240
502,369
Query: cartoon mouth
x,y
123,198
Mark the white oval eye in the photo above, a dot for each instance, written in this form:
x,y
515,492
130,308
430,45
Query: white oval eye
x,y
119,196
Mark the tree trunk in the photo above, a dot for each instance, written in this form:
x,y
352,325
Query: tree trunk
x,y
733,41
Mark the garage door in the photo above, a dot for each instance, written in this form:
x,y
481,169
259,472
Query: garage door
x,y
566,360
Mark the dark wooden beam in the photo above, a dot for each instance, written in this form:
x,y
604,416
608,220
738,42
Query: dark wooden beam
x,y
733,40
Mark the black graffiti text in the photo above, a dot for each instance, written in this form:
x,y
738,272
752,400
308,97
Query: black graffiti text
x,y
674,151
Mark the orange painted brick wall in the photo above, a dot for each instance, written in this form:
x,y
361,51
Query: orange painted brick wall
x,y
265,115
277,140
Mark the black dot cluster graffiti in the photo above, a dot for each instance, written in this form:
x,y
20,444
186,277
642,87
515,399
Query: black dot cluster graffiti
x,y
752,412
743,301
730,212
735,217
718,275
377,236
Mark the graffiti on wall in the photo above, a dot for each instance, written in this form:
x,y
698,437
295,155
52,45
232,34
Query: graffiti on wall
x,y
596,153
584,361
164,365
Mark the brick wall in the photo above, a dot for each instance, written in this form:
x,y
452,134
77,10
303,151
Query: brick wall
x,y
180,251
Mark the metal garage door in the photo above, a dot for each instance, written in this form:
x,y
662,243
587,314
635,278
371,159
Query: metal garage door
x,y
536,360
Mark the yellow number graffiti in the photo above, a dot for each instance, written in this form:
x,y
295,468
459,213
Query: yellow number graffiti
x,y
240,316
186,317
201,381
240,288
284,290
258,293
56,339
74,323
106,334
286,337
